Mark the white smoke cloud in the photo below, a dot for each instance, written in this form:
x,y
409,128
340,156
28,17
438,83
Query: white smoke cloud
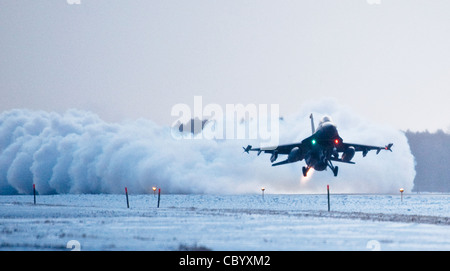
x,y
77,152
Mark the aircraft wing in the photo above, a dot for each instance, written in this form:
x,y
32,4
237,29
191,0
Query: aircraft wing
x,y
275,150
280,149
364,148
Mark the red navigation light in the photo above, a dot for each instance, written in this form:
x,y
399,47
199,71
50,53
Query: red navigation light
x,y
336,141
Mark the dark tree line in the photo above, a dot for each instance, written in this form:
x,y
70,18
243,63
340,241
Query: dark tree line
x,y
432,157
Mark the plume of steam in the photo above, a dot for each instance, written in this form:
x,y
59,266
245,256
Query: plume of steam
x,y
77,152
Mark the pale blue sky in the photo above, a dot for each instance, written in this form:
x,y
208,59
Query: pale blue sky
x,y
130,59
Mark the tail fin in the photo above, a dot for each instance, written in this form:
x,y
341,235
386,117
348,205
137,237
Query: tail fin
x,y
312,123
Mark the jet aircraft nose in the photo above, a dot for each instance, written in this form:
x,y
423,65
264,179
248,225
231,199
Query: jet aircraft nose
x,y
328,130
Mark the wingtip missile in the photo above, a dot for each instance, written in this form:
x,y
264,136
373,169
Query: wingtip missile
x,y
389,146
247,149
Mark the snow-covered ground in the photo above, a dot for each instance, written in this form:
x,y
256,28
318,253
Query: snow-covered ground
x,y
226,222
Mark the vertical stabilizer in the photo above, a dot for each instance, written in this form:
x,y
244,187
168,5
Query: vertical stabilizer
x,y
312,123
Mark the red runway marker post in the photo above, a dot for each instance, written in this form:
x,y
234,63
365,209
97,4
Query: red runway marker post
x,y
159,196
328,194
34,193
126,194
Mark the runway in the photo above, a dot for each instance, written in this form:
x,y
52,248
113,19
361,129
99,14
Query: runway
x,y
225,222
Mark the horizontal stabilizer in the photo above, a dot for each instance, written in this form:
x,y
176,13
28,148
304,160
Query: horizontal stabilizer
x,y
340,160
281,163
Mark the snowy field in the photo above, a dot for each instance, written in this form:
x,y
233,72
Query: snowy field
x,y
226,222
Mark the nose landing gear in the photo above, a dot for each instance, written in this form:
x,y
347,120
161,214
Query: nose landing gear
x,y
329,164
305,171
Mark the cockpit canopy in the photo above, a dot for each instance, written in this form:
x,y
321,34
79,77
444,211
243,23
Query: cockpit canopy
x,y
324,121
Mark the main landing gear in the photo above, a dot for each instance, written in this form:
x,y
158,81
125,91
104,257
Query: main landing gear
x,y
329,164
333,168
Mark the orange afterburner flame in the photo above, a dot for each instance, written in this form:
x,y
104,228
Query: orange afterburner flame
x,y
304,180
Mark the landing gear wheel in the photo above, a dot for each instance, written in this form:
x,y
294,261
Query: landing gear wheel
x,y
335,171
305,171
333,168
